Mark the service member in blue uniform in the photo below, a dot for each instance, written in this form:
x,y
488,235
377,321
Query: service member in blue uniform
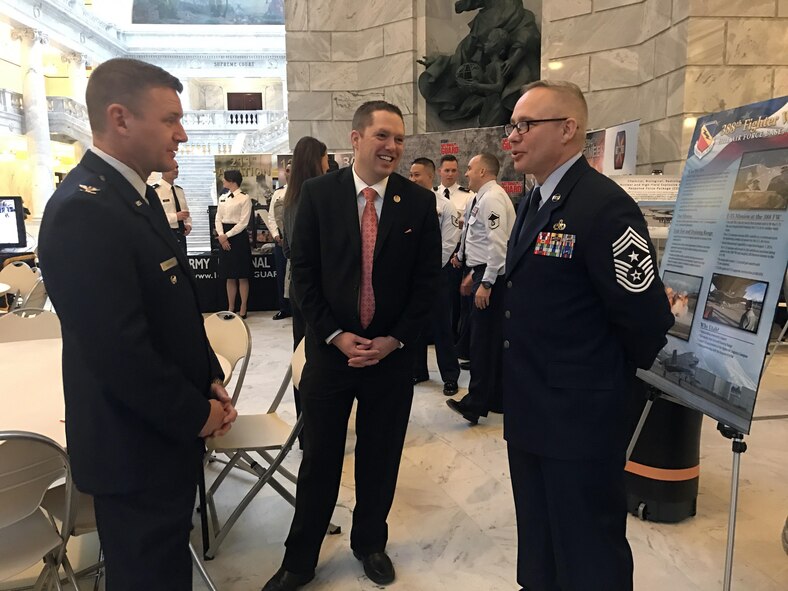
x,y
140,380
583,308
488,223
173,201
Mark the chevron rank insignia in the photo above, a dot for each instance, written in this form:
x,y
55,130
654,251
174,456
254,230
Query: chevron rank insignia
x,y
632,261
88,189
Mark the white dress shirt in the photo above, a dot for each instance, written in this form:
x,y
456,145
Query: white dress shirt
x,y
273,227
459,198
128,173
450,229
380,189
234,208
164,191
487,228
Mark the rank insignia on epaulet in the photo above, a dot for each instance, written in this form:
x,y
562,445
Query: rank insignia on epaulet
x,y
156,186
464,190
89,189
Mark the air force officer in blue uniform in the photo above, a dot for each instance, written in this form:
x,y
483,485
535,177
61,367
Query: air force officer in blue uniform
x,y
141,382
583,308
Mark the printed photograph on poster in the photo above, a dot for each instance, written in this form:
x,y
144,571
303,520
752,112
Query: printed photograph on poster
x,y
762,181
343,159
735,301
256,170
683,291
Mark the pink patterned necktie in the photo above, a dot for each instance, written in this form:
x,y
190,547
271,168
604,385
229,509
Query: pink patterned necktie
x,y
369,233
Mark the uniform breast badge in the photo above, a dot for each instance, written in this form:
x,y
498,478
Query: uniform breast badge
x,y
555,244
89,189
560,226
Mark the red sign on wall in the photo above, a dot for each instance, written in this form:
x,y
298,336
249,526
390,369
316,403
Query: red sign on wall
x,y
512,187
449,148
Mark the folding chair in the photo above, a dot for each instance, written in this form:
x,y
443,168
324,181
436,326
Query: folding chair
x,y
85,523
36,297
29,464
21,278
29,324
230,338
264,435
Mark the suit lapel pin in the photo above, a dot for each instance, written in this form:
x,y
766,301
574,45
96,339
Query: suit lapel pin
x,y
397,198
138,203
559,226
173,279
88,189
556,197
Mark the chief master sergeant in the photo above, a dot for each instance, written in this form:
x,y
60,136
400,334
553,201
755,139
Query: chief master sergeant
x,y
583,308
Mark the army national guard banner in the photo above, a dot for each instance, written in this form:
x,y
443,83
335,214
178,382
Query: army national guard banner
x,y
725,261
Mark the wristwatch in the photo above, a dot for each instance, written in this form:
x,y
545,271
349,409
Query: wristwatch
x,y
487,285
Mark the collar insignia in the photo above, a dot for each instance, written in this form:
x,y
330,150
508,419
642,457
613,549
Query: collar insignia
x,y
88,189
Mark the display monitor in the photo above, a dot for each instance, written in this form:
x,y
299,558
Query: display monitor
x,y
12,223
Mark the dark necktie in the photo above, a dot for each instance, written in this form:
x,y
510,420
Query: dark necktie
x,y
533,208
181,224
446,193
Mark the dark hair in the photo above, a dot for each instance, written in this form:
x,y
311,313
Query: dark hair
x,y
490,162
123,81
307,156
233,176
425,162
448,158
362,118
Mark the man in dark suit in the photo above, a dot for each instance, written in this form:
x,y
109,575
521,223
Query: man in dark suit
x,y
365,263
583,308
141,382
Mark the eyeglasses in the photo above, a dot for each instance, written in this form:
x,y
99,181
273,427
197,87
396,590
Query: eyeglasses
x,y
525,126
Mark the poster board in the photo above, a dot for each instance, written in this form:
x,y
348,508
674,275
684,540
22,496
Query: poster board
x,y
257,172
613,151
725,261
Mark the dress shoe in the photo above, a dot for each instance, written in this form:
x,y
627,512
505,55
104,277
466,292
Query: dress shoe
x,y
419,380
286,581
461,409
466,365
450,388
377,566
242,316
281,315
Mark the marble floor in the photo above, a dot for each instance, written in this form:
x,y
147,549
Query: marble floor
x,y
452,524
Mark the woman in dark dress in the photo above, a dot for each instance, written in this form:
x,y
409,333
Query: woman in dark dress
x,y
235,254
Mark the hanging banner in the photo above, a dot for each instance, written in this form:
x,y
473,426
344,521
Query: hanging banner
x,y
725,261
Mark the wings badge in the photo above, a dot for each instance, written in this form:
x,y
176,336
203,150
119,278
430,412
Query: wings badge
x,y
632,261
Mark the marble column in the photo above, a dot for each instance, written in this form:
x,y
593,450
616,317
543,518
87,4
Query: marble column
x,y
76,75
36,114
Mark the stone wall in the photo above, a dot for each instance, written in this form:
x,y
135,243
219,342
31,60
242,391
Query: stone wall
x,y
342,53
666,62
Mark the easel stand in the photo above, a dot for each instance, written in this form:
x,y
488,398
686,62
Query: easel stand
x,y
738,447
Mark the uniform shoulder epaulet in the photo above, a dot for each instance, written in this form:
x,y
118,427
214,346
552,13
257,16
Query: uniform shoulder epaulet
x,y
464,190
241,193
178,186
156,186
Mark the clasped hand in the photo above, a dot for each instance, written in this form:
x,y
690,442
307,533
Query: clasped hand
x,y
363,352
222,415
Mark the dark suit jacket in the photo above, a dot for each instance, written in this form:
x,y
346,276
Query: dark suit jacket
x,y
137,365
326,264
573,335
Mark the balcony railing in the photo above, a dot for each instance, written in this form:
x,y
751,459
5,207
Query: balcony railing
x,y
10,102
67,106
239,120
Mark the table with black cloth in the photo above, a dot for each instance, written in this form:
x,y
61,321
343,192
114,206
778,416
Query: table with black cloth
x,y
211,290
